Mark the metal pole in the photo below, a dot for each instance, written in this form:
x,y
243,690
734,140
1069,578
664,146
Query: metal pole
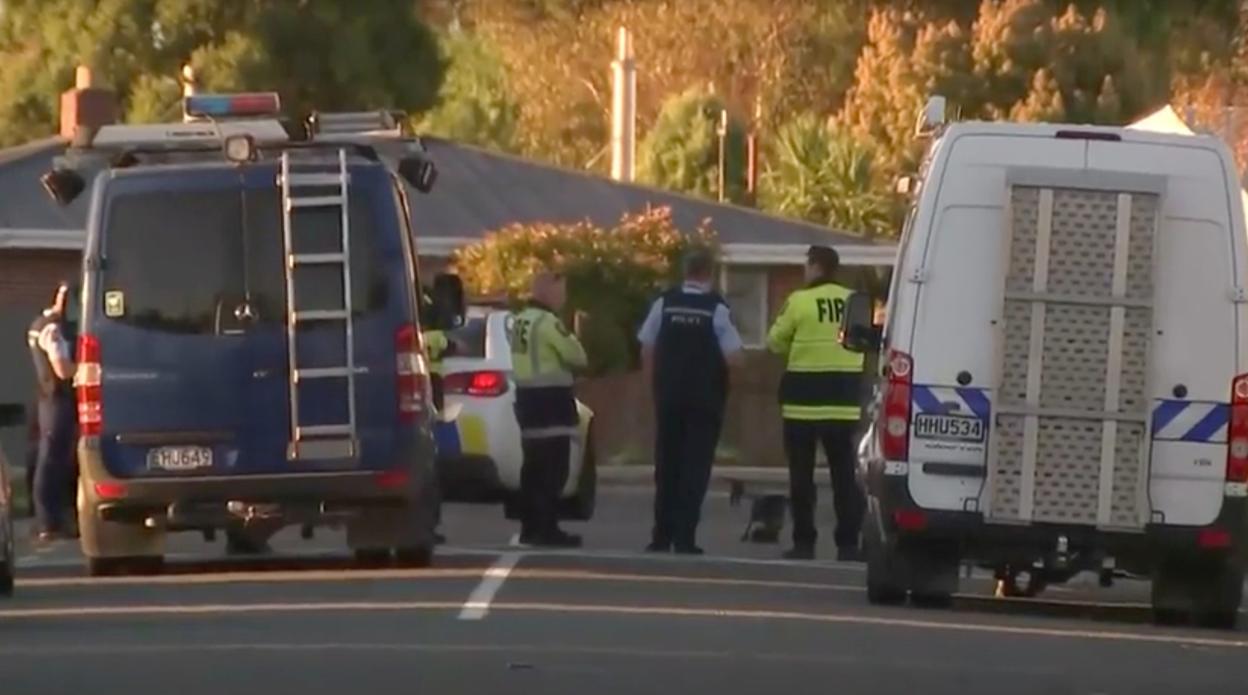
x,y
623,108
723,138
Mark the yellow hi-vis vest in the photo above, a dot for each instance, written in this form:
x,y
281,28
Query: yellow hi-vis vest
x,y
435,344
543,355
822,379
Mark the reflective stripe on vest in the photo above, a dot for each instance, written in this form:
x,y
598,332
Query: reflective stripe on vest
x,y
821,412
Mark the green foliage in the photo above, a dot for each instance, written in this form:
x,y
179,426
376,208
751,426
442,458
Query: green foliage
x,y
681,151
475,105
824,175
319,54
1019,60
612,274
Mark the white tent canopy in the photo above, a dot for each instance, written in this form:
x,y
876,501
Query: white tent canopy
x,y
1166,120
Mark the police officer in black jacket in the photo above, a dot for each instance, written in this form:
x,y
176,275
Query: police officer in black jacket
x,y
688,341
50,339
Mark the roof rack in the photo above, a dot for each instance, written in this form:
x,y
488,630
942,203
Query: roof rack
x,y
249,124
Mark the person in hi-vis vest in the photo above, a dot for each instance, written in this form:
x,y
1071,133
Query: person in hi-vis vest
x,y
544,353
820,401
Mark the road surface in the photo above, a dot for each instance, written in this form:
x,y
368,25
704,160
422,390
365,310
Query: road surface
x,y
493,618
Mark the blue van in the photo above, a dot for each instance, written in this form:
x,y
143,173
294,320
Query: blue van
x,y
250,354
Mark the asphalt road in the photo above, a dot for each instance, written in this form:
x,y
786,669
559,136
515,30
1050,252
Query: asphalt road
x,y
491,618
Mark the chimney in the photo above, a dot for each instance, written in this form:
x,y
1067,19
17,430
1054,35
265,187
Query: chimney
x,y
623,108
86,107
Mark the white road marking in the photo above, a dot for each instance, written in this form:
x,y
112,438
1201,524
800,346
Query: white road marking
x,y
478,603
82,612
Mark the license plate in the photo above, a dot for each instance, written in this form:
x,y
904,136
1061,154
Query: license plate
x,y
950,428
180,458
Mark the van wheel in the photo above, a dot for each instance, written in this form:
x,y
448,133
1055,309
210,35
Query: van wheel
x,y
885,585
143,565
372,558
1206,593
418,557
6,578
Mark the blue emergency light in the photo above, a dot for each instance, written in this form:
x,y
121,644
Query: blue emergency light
x,y
232,105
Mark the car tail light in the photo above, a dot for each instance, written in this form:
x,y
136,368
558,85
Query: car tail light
x,y
1213,538
392,480
895,428
1237,447
487,383
87,380
910,519
110,491
413,376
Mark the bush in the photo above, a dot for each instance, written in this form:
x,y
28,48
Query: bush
x,y
613,274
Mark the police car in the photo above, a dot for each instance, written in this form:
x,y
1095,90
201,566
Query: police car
x,y
250,355
1065,386
479,453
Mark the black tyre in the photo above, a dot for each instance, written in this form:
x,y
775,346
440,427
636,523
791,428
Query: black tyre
x,y
6,577
413,558
581,507
1205,593
124,566
885,586
372,558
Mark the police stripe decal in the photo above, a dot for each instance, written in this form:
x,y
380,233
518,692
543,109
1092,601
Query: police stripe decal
x,y
945,400
1191,421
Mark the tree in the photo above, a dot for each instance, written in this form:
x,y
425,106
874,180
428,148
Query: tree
x,y
778,55
1019,60
475,105
823,174
319,54
612,273
681,151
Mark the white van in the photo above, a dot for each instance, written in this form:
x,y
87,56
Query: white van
x,y
1064,382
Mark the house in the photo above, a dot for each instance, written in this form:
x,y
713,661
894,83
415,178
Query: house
x,y
477,191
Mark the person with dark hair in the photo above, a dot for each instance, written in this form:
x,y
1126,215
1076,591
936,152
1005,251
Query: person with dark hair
x,y
688,342
820,400
49,341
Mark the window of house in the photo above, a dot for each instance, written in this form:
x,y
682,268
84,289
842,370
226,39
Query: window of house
x,y
745,288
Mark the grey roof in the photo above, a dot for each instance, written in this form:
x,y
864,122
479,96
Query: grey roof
x,y
478,191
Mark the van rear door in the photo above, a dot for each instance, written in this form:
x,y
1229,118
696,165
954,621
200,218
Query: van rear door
x,y
163,308
379,298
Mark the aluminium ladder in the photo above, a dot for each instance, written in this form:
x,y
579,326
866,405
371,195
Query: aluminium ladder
x,y
303,185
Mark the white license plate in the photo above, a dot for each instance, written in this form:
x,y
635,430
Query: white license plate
x,y
180,458
949,428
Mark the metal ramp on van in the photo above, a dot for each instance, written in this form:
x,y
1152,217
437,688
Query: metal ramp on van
x,y
1071,430
323,184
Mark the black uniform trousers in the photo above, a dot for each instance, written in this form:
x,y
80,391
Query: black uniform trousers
x,y
542,477
685,442
837,437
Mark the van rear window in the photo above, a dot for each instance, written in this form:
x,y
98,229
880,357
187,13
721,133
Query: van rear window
x,y
181,262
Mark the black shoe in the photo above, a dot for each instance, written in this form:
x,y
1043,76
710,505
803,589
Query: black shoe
x,y
658,547
849,553
688,549
556,539
51,537
800,552
438,539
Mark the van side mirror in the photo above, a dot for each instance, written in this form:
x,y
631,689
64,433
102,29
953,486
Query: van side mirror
x,y
447,297
419,172
12,414
858,332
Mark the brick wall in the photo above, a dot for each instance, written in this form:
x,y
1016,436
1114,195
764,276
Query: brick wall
x,y
27,280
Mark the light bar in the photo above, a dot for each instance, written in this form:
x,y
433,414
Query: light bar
x,y
232,105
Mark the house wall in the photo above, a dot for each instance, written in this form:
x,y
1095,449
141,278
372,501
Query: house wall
x,y
27,280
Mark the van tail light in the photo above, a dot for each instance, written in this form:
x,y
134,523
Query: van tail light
x,y
1237,448
487,384
87,381
412,374
913,520
110,490
393,479
895,429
